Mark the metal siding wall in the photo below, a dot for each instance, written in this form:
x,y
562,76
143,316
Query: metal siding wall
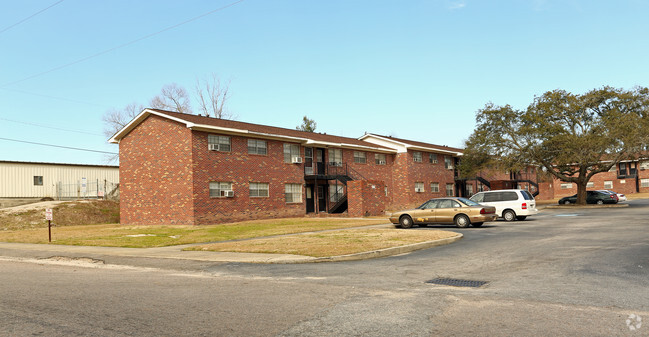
x,y
17,179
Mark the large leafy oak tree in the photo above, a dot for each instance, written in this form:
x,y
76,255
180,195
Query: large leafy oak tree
x,y
572,137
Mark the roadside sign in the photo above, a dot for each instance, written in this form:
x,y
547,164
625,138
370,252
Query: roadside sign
x,y
48,214
84,186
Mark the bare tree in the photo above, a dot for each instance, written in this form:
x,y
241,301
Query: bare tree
x,y
173,98
114,119
212,95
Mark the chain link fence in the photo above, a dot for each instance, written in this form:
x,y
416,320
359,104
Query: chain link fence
x,y
84,189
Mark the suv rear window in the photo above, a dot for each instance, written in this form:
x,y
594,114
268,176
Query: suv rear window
x,y
527,195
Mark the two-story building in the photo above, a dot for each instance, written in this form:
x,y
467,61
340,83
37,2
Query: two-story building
x,y
187,169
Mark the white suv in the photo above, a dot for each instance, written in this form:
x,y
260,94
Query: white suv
x,y
510,204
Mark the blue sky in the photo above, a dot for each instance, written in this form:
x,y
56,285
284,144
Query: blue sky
x,y
412,69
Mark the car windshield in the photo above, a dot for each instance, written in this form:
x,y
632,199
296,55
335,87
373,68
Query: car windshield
x,y
468,202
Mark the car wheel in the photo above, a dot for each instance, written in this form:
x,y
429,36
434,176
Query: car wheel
x,y
521,217
462,221
600,202
567,202
509,215
477,224
405,221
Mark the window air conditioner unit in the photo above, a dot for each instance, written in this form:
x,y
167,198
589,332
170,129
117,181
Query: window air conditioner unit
x,y
381,162
228,194
213,147
419,189
296,160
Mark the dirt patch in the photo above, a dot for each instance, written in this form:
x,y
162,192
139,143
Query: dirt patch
x,y
66,213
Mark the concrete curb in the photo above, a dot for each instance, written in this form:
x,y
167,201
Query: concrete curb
x,y
382,252
586,206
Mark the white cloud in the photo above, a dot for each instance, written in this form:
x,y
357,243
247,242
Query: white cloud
x,y
457,4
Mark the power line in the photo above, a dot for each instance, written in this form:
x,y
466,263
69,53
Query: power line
x,y
54,97
50,127
29,17
59,146
122,45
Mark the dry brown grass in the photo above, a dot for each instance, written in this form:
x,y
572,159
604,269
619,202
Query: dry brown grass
x,y
332,243
72,213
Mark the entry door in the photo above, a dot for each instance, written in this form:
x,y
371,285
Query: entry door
x,y
320,160
310,201
322,199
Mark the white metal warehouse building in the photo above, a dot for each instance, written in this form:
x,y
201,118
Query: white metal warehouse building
x,y
57,181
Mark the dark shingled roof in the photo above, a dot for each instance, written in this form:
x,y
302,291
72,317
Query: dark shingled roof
x,y
196,119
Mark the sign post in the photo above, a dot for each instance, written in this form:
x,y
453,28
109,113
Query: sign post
x,y
48,217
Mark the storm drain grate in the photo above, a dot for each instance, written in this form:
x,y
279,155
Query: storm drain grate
x,y
457,283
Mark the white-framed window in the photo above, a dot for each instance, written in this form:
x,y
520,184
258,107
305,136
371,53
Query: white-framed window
x,y
450,190
469,190
258,189
590,184
257,146
336,192
434,187
608,184
293,193
419,186
565,186
416,156
448,162
218,188
290,151
335,157
359,157
432,158
379,158
38,180
644,182
219,143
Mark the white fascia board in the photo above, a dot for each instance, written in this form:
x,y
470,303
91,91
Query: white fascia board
x,y
430,149
399,147
138,119
247,133
348,146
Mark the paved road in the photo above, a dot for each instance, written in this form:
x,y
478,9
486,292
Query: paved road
x,y
563,272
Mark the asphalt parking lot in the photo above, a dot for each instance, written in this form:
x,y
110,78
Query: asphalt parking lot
x,y
563,272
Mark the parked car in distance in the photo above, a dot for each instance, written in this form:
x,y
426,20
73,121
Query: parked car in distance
x,y
451,210
620,197
510,204
592,197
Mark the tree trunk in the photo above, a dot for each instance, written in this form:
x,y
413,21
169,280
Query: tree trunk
x,y
581,192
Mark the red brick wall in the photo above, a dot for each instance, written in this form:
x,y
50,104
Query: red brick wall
x,y
366,198
155,174
242,168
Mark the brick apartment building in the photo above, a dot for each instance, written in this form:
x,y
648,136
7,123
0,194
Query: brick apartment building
x,y
628,177
187,169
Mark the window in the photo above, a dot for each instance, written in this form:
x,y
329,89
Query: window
x,y
622,169
590,184
448,162
608,184
379,158
218,188
290,151
359,157
293,193
644,182
335,157
416,156
336,192
256,146
219,143
38,180
565,186
258,189
419,187
432,158
434,187
449,190
469,190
